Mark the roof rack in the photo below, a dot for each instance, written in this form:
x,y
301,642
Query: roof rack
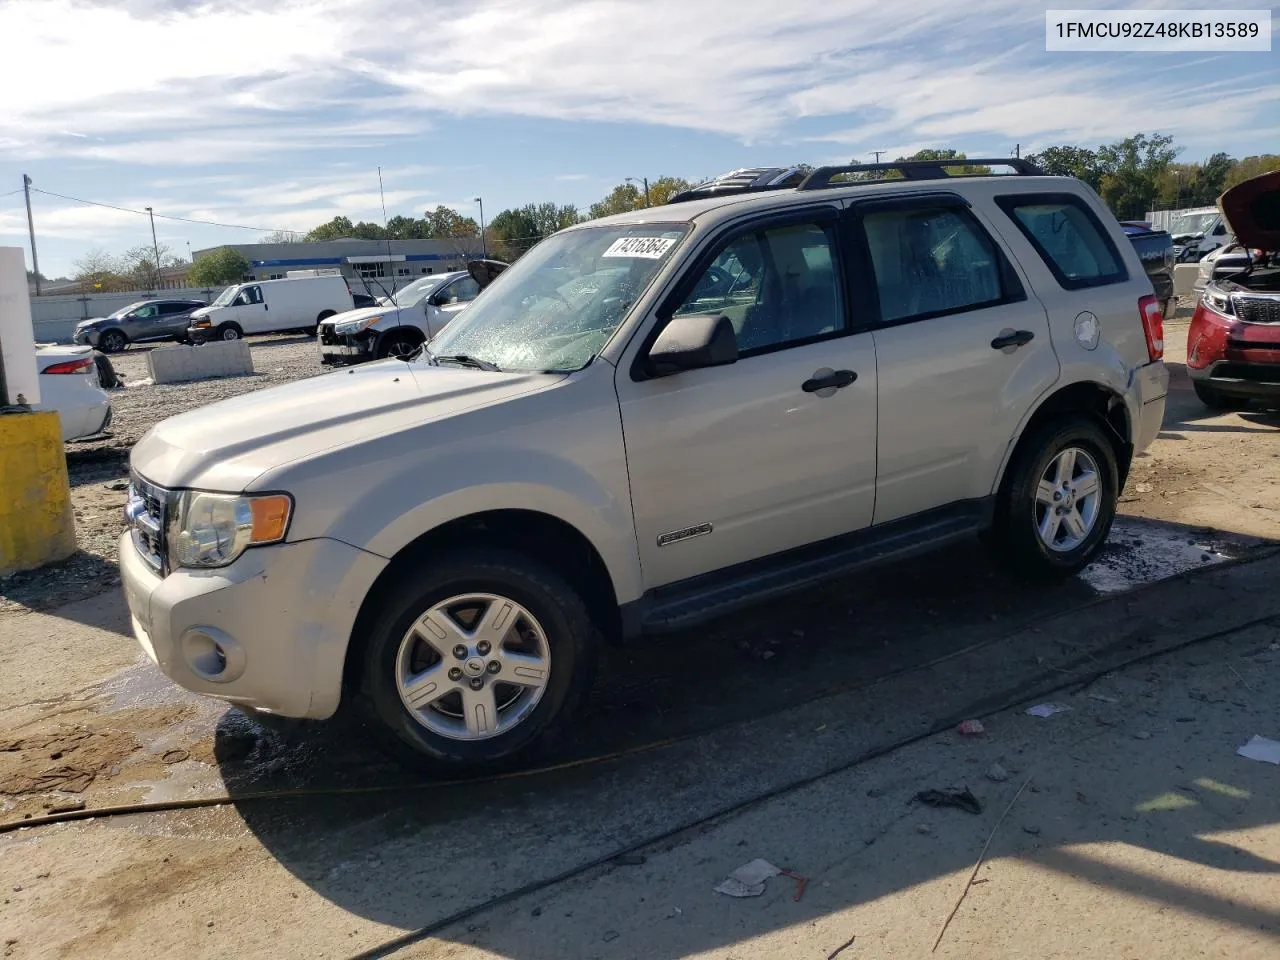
x,y
918,170
744,180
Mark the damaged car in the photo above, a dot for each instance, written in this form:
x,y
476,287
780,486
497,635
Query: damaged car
x,y
1233,346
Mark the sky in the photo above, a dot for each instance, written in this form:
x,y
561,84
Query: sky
x,y
277,115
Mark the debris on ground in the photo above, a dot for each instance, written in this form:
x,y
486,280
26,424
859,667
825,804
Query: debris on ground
x,y
1046,710
971,728
963,799
1262,749
1103,698
997,773
748,880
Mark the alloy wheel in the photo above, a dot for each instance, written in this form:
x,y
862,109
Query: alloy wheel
x,y
473,666
1068,498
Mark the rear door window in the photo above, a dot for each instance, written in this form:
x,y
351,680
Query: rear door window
x,y
1068,237
932,261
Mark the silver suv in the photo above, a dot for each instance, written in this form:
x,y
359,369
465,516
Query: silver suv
x,y
648,421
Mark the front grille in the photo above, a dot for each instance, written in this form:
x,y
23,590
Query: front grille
x,y
145,514
1257,309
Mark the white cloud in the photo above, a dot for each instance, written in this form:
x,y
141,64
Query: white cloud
x,y
233,82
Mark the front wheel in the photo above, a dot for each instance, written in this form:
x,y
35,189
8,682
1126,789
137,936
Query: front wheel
x,y
1056,508
229,332
1219,401
398,345
113,341
478,661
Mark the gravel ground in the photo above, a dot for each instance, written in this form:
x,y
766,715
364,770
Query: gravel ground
x,y
99,468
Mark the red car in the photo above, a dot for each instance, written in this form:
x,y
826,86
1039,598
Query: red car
x,y
1233,346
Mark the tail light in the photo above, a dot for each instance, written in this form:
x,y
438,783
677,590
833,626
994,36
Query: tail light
x,y
83,365
1152,325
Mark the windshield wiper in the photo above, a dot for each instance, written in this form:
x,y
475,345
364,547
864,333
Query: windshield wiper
x,y
465,360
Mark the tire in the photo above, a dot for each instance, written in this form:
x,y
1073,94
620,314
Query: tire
x,y
397,344
228,332
112,341
1023,506
1214,400
312,330
435,735
108,379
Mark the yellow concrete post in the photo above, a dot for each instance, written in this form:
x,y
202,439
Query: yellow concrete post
x,y
36,523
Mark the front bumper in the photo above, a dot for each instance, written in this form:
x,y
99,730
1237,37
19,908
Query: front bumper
x,y
345,348
83,337
268,632
199,334
1247,380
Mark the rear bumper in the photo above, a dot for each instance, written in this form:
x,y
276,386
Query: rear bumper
x,y
1148,392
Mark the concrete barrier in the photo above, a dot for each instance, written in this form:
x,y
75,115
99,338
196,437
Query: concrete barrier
x,y
1184,278
219,358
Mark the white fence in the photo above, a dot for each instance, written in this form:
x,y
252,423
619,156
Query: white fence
x,y
54,318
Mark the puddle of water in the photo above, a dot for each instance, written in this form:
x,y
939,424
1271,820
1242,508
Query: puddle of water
x,y
1139,552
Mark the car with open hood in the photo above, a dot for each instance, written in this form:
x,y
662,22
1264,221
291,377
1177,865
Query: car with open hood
x,y
1233,344
646,422
404,320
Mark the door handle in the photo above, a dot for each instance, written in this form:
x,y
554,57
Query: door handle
x,y
1014,338
836,379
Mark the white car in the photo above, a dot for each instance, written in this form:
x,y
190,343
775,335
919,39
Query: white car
x,y
401,324
69,385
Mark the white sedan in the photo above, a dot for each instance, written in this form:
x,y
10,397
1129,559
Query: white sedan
x,y
69,385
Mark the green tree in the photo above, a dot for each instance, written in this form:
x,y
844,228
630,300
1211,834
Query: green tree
x,y
623,198
1132,168
1069,161
664,188
217,268
335,229
512,233
1251,167
444,223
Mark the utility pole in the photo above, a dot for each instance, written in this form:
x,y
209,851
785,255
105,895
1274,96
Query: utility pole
x,y
31,229
877,153
484,251
1017,150
155,244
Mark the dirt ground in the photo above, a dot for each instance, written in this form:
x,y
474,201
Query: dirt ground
x,y
1141,834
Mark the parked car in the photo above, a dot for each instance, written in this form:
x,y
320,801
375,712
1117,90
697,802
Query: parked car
x,y
69,384
267,306
138,323
399,327
1155,250
651,420
1233,344
1197,233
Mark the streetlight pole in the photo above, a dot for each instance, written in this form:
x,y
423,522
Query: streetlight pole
x,y
645,181
155,244
484,251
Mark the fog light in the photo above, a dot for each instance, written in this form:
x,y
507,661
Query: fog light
x,y
212,654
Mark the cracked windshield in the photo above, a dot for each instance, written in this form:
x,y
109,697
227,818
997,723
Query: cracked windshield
x,y
561,302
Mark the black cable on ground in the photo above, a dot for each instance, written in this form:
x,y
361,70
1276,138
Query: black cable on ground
x,y
1020,696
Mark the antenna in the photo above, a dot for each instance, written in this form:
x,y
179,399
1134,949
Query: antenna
x,y
385,232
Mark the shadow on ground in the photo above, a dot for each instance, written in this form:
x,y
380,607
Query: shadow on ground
x,y
790,690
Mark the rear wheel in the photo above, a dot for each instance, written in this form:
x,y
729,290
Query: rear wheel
x,y
478,661
112,341
1059,501
396,344
324,315
229,332
1219,401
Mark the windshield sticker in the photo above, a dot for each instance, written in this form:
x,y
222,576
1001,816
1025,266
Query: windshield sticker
x,y
647,248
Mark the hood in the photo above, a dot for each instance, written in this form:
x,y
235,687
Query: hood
x,y
1252,211
227,445
362,314
203,311
90,322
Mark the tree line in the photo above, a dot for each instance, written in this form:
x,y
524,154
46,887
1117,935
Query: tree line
x,y
1132,176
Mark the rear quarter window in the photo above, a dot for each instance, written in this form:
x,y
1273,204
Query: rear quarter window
x,y
1069,238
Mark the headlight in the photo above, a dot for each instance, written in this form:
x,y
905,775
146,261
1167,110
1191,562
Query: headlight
x,y
355,326
213,529
200,322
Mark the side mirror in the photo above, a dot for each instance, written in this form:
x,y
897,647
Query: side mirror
x,y
691,342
